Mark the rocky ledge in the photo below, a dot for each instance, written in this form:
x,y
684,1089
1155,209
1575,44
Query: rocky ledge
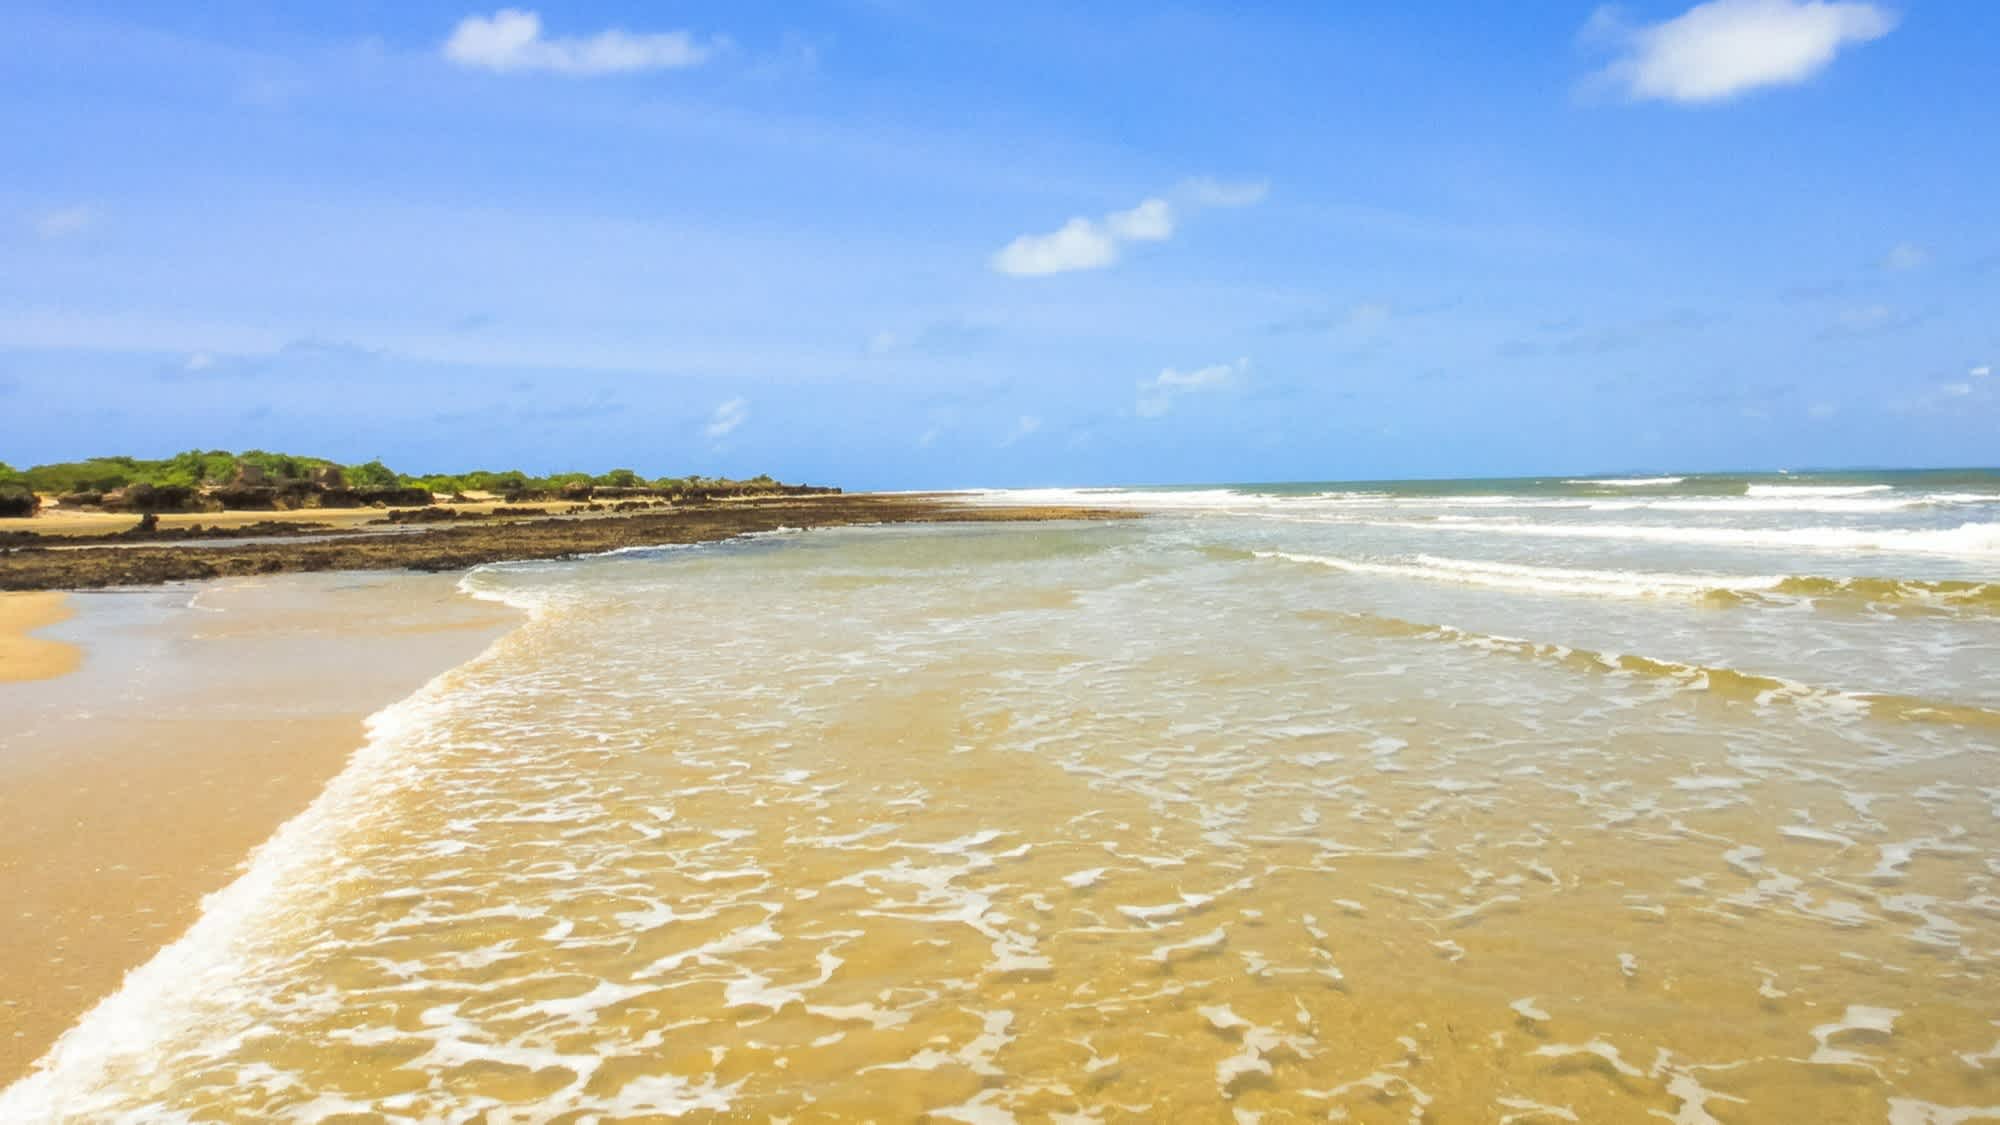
x,y
452,544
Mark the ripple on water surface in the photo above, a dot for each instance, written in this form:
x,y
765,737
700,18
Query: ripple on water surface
x,y
1084,825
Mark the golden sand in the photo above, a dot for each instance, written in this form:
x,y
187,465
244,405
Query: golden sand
x,y
24,656
1016,824
134,788
76,521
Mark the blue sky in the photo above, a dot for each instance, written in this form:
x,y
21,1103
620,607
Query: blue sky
x,y
892,243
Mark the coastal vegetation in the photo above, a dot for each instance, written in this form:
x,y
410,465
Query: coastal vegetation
x,y
196,468
216,479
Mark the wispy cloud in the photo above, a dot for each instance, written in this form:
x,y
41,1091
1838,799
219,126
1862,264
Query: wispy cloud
x,y
297,358
1157,395
1209,192
1089,244
1724,48
1904,257
1867,320
1362,317
1150,221
1085,244
727,417
511,40
65,221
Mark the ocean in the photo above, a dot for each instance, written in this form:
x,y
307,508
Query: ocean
x,y
1552,800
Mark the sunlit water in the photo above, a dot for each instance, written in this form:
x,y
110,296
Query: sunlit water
x,y
1282,805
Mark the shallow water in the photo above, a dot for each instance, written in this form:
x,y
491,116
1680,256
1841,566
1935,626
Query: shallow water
x,y
1267,806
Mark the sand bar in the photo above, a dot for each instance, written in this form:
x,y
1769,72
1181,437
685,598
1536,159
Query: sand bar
x,y
204,717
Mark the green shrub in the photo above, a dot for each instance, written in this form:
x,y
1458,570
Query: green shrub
x,y
197,468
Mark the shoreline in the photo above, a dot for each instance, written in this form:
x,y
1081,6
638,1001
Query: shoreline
x,y
137,783
25,656
203,720
451,545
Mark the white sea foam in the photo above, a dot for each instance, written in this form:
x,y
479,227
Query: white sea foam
x,y
1539,579
1628,482
1854,500
156,999
630,842
1976,540
1814,489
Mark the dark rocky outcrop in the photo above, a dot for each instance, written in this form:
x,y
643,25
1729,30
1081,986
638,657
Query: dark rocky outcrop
x,y
144,497
246,497
397,497
431,515
455,545
18,500
152,532
305,494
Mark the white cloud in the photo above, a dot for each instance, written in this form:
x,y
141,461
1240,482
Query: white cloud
x,y
199,361
727,417
1156,395
884,342
1822,410
1956,389
511,40
1980,372
1905,256
1079,245
1723,48
1089,244
1209,192
1151,221
65,221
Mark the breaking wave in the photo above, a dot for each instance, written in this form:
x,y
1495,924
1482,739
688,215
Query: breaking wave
x,y
1890,594
1968,539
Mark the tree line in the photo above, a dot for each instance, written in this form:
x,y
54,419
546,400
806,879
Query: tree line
x,y
201,468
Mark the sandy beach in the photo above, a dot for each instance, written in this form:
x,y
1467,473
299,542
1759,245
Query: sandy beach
x,y
1253,805
159,735
915,563
24,655
202,718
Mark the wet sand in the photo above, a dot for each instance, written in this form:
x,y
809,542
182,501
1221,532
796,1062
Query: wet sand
x,y
24,655
203,718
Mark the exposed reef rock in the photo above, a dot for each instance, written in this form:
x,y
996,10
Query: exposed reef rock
x,y
453,545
